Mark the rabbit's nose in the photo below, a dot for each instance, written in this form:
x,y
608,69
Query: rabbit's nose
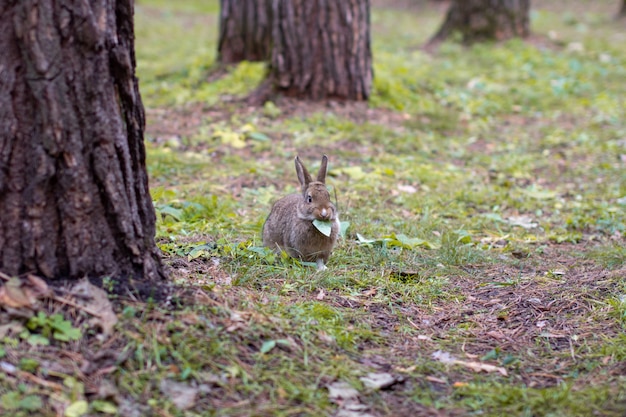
x,y
324,213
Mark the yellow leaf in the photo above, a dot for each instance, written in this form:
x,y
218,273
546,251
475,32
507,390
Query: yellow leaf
x,y
77,409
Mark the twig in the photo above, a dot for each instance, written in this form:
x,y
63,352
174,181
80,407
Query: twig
x,y
4,276
78,306
33,378
545,375
413,324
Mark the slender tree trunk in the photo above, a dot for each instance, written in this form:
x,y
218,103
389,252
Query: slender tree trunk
x,y
245,31
481,20
622,10
74,198
321,49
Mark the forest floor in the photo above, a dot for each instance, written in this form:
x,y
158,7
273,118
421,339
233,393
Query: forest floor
x,y
483,271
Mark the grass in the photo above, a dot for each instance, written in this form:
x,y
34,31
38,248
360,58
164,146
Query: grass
x,y
485,191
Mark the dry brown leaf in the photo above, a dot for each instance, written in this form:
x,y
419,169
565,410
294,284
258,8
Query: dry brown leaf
x,y
95,299
12,294
435,379
496,335
38,285
369,293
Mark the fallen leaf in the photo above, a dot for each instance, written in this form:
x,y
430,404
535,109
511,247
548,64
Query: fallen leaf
x,y
326,338
343,228
181,394
77,409
345,412
340,390
95,299
8,368
230,138
444,357
479,366
38,285
523,221
496,335
407,189
378,381
362,239
406,370
435,379
347,398
14,295
447,358
267,346
369,293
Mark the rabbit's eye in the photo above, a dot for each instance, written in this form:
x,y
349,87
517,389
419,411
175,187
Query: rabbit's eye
x,y
309,199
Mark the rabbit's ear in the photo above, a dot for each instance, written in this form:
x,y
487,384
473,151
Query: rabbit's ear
x,y
303,174
321,175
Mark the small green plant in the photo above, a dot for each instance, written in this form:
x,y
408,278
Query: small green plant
x,y
19,403
108,284
54,326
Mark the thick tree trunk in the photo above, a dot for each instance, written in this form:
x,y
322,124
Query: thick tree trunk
x,y
74,198
245,31
321,49
482,20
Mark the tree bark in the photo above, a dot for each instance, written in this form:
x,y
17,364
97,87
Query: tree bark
x,y
483,20
74,198
321,49
245,31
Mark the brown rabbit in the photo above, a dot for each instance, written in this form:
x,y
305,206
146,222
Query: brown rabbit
x,y
289,226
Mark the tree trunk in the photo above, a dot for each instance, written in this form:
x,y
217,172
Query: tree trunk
x,y
321,49
622,10
74,198
245,31
483,20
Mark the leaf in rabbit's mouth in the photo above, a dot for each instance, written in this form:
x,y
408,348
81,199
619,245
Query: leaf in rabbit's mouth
x,y
325,227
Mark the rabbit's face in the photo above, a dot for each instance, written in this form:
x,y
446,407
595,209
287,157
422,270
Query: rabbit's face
x,y
317,204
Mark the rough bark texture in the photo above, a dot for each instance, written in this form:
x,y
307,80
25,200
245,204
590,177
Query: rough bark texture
x,y
74,196
245,31
321,49
481,20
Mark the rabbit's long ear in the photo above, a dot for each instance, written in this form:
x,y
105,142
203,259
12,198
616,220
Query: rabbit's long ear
x,y
303,174
321,175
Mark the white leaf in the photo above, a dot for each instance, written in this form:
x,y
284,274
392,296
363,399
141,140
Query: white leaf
x,y
524,221
182,395
378,381
341,390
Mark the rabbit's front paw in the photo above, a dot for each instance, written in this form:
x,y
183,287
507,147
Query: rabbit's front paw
x,y
321,266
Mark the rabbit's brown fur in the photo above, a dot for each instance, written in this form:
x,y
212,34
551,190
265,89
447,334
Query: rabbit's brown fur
x,y
289,226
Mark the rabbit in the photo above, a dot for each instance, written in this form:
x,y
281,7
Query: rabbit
x,y
289,226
